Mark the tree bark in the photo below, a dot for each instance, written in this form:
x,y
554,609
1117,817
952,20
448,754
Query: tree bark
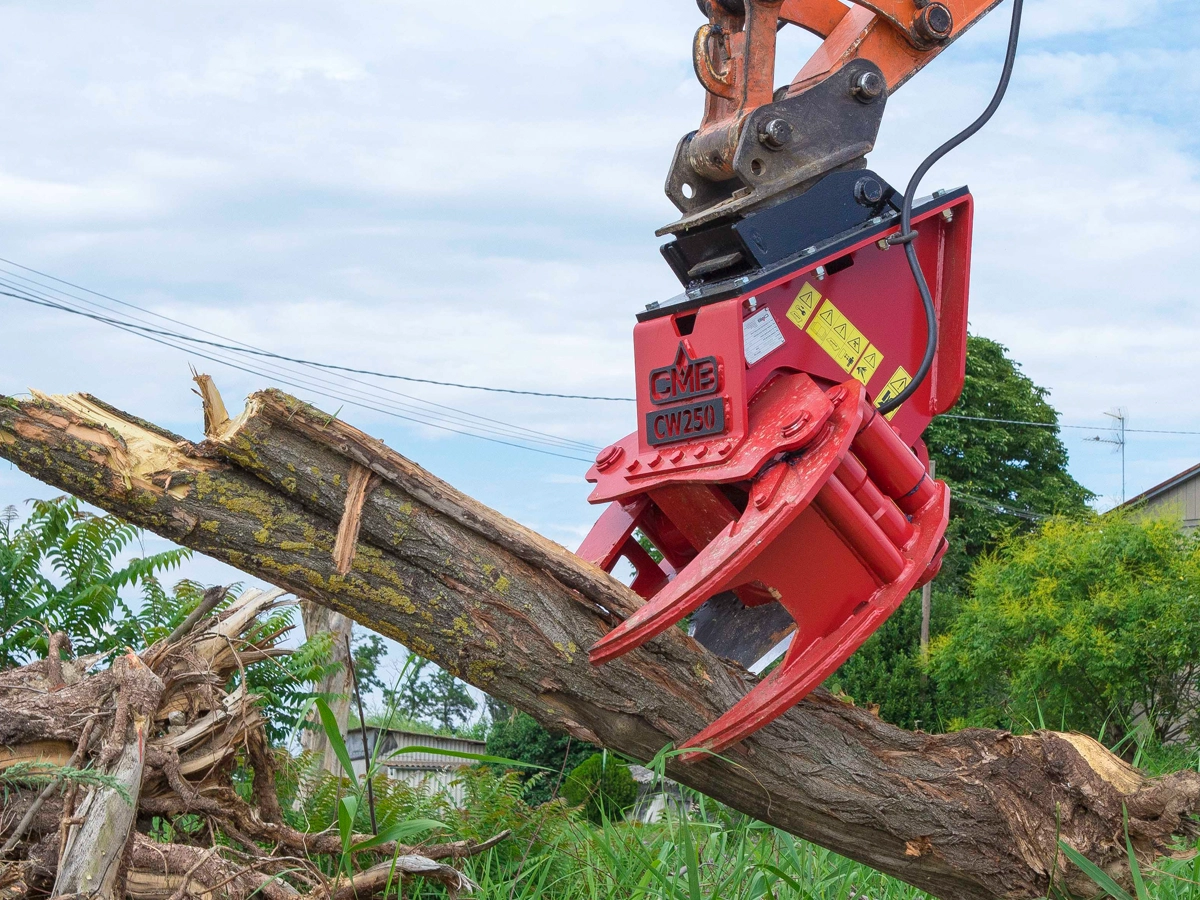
x,y
975,814
317,620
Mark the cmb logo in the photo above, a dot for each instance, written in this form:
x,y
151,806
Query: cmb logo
x,y
685,378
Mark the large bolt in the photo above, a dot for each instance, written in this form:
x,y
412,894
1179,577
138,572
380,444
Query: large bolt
x,y
868,86
934,23
774,133
609,457
868,191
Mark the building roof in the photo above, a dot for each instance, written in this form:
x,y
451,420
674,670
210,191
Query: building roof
x,y
392,739
1173,481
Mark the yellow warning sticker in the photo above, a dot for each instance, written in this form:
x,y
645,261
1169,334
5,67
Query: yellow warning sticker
x,y
871,360
802,307
898,382
837,336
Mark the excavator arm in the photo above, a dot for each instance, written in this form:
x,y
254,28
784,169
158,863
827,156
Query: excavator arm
x,y
755,144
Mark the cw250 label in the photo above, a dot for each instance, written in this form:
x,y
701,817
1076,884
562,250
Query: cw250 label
x,y
682,423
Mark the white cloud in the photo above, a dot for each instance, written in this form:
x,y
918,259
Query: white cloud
x,y
471,195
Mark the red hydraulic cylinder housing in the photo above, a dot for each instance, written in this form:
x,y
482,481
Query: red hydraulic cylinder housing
x,y
762,466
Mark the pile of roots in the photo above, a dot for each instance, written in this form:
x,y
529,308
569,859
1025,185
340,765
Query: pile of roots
x,y
90,758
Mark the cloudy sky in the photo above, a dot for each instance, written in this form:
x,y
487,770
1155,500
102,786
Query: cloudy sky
x,y
469,193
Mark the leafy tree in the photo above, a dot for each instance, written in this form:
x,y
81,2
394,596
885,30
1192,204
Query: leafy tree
x,y
602,786
1002,478
410,697
520,737
59,571
497,710
1091,624
428,693
450,703
369,651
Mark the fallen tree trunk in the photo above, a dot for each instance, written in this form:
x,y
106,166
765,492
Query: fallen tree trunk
x,y
976,814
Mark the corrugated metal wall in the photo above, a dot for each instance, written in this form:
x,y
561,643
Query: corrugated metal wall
x,y
431,772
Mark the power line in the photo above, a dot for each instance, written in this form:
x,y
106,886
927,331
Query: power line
x,y
464,418
467,424
247,348
993,506
163,336
1061,425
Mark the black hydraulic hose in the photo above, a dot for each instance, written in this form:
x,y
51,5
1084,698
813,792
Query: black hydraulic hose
x,y
906,235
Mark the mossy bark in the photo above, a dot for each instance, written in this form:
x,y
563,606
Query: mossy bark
x,y
975,814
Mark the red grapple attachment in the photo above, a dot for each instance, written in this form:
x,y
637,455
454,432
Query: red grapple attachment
x,y
766,478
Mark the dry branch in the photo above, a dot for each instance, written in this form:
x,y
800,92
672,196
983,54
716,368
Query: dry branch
x,y
974,814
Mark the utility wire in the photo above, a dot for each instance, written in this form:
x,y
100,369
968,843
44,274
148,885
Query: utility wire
x,y
454,415
226,346
1060,425
248,348
515,436
140,327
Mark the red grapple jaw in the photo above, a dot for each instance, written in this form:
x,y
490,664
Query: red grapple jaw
x,y
779,494
829,531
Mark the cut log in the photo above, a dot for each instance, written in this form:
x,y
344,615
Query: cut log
x,y
975,814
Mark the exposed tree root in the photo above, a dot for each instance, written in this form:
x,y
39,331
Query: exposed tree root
x,y
83,841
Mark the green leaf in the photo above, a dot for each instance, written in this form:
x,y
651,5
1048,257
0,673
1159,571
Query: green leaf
x,y
398,831
347,810
1139,885
334,734
1091,870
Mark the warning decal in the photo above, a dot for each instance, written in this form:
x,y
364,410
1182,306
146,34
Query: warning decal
x,y
899,381
867,364
837,336
802,307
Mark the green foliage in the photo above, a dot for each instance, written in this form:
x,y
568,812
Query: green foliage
x,y
449,703
59,572
369,651
1086,624
39,774
988,465
602,786
886,671
521,737
425,692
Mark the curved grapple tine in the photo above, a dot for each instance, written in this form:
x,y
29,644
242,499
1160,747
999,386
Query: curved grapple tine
x,y
807,664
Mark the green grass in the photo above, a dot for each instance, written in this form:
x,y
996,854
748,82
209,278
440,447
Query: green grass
x,y
707,852
715,854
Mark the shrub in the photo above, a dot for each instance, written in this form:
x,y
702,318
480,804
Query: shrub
x,y
602,786
1088,624
520,737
